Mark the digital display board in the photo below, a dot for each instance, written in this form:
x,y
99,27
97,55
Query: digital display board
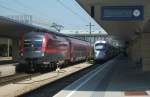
x,y
122,13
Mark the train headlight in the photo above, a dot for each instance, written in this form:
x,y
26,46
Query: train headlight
x,y
96,54
43,54
21,54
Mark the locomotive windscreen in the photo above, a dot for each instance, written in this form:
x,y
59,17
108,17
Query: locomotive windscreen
x,y
33,43
100,46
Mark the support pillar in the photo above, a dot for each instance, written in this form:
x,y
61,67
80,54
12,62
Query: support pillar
x,y
145,44
134,50
15,49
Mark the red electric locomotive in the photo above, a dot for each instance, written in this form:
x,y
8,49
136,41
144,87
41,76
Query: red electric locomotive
x,y
46,50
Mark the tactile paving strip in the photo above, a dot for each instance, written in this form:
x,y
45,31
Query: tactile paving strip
x,y
135,93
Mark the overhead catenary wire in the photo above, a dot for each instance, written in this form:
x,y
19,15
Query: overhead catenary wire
x,y
33,10
12,10
41,16
75,13
72,11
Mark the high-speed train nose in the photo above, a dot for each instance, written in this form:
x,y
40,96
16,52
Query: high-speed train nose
x,y
99,55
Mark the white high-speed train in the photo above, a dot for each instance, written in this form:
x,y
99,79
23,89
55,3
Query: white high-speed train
x,y
103,51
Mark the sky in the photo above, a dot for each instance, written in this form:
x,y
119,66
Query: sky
x,y
64,12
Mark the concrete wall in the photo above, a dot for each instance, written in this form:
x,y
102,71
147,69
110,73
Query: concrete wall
x,y
134,50
145,43
139,51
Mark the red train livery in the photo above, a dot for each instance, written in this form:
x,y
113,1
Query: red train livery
x,y
46,50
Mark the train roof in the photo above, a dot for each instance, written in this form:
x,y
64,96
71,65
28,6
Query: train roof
x,y
60,34
104,42
100,41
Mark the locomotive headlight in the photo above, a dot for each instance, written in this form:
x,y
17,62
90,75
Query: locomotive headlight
x,y
43,54
96,54
44,40
21,54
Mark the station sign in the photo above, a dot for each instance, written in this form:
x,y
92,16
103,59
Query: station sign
x,y
122,13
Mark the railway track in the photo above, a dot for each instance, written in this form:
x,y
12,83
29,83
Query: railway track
x,y
16,78
26,83
51,89
19,76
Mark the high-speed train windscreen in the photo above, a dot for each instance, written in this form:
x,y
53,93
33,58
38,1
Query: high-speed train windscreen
x,y
100,46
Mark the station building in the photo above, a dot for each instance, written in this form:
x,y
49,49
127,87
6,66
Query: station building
x,y
126,19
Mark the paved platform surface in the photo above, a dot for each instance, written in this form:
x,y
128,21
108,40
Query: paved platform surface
x,y
18,88
7,70
116,78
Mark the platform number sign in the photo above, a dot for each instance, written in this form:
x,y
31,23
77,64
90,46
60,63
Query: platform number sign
x,y
122,13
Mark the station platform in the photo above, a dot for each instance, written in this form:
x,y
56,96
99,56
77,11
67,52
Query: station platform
x,y
118,77
7,70
7,66
32,82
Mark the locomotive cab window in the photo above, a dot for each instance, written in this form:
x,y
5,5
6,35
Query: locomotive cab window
x,y
100,46
33,43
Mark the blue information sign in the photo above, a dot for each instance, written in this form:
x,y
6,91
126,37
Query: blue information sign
x,y
122,13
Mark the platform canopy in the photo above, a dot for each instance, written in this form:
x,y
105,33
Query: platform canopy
x,y
13,29
125,19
